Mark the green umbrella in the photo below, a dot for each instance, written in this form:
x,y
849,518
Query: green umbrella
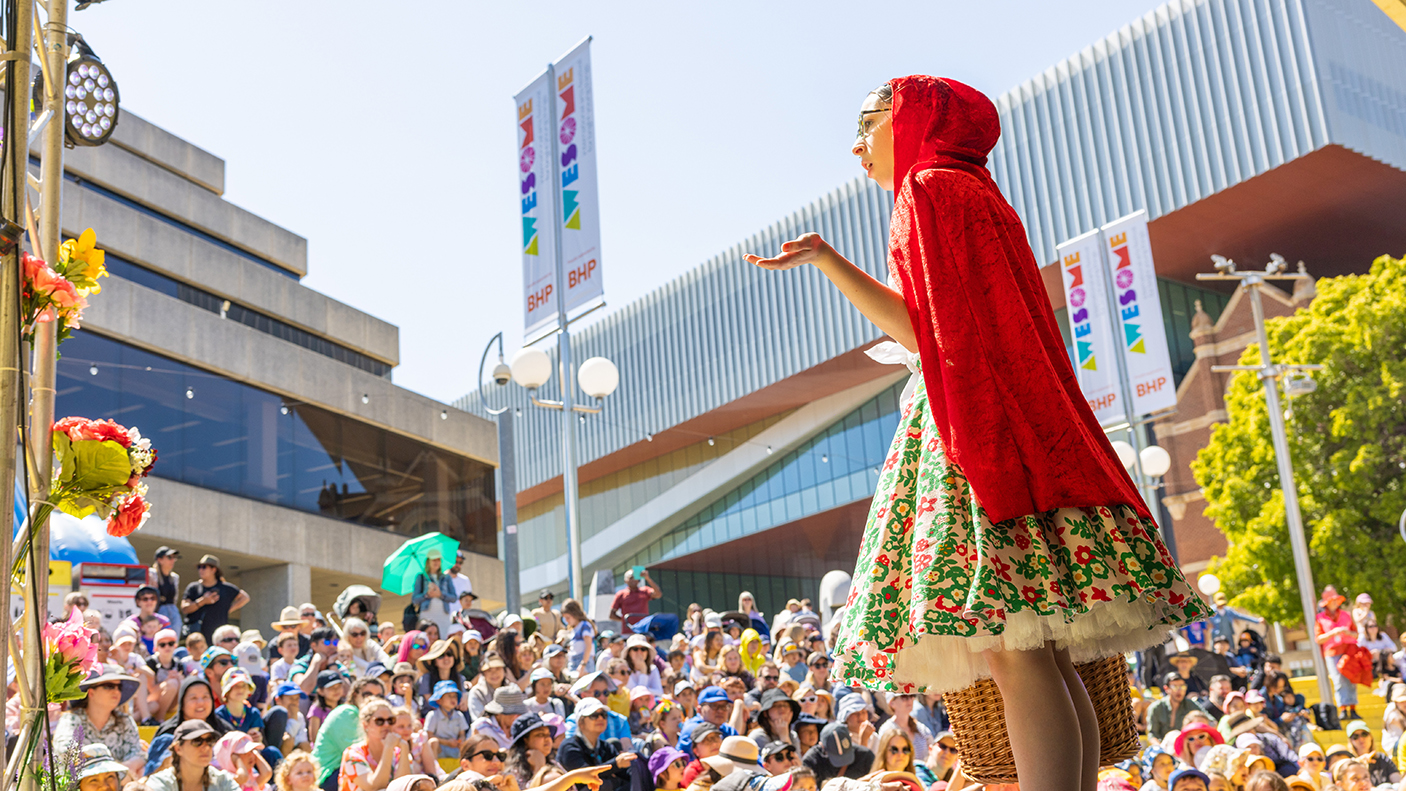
x,y
399,570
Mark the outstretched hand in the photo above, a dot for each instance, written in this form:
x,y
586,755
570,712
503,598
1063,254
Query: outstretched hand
x,y
809,248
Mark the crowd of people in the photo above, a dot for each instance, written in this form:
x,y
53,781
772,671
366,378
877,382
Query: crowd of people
x,y
455,698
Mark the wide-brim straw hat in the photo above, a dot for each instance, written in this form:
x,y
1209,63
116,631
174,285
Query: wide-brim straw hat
x,y
129,683
288,618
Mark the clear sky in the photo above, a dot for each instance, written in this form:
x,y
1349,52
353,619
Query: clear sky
x,y
384,132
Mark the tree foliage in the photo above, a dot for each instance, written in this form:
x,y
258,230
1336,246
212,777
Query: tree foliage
x,y
1348,443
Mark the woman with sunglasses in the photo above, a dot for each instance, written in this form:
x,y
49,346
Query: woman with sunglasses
x,y
1313,766
365,651
192,753
999,479
894,752
413,645
480,758
371,763
95,718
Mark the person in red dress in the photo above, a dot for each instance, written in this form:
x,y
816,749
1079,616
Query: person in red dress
x,y
1336,634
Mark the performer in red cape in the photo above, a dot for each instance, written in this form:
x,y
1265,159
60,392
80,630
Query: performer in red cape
x,y
1005,539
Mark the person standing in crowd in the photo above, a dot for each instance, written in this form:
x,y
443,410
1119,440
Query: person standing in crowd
x,y
632,604
1336,633
549,622
462,583
1362,613
163,577
1224,618
580,658
434,593
207,604
1166,713
95,718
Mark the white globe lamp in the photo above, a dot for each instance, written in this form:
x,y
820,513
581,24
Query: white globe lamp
x,y
1126,454
532,368
598,377
1208,583
1155,461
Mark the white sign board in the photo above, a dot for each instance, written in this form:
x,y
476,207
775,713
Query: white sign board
x,y
1141,335
537,196
1086,299
557,184
576,155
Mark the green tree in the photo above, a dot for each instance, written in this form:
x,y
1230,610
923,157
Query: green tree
x,y
1348,442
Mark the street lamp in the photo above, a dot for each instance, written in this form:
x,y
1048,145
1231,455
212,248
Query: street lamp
x,y
507,474
1293,376
598,378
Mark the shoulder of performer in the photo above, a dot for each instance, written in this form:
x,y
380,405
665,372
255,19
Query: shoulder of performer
x,y
943,186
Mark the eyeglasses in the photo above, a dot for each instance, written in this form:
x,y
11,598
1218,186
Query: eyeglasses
x,y
600,715
1314,759
771,678
334,642
357,634
1354,737
600,694
895,749
141,599
307,615
204,741
489,755
865,125
414,646
382,721
946,749
166,644
108,685
230,639
205,566
784,755
221,660
810,699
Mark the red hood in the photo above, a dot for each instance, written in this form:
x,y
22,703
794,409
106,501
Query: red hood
x,y
941,123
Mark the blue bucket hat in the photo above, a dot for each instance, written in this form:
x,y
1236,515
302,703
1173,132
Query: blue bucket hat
x,y
443,688
713,695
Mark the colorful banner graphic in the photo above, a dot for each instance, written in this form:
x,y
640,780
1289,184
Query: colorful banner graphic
x,y
1142,338
557,181
538,200
1086,299
576,154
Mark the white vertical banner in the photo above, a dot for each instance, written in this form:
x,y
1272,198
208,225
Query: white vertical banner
x,y
1141,335
1085,297
538,200
575,128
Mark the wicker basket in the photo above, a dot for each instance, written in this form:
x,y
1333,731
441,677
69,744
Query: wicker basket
x,y
979,721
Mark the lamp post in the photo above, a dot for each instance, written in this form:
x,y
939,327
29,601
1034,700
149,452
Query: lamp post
x,y
598,378
507,475
1155,462
1270,373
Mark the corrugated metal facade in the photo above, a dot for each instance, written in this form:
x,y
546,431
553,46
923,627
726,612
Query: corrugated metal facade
x,y
1194,97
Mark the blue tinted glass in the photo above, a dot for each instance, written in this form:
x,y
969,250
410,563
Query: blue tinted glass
x,y
216,433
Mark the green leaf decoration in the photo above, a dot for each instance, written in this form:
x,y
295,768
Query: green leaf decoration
x,y
63,457
100,465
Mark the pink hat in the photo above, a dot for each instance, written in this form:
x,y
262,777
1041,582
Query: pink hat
x,y
1237,695
1254,696
1364,598
640,692
232,744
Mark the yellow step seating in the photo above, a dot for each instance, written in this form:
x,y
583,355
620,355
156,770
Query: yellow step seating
x,y
1370,707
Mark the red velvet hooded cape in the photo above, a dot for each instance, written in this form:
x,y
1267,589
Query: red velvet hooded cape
x,y
1000,385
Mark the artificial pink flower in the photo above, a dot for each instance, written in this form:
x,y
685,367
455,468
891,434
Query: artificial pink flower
x,y
70,640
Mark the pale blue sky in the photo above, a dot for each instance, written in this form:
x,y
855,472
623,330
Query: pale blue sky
x,y
384,132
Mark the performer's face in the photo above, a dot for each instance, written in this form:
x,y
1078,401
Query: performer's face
x,y
874,142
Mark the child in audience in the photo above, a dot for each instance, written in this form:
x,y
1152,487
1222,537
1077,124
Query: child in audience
x,y
445,724
297,772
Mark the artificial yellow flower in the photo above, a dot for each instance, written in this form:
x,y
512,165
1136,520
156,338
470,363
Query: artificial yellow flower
x,y
83,250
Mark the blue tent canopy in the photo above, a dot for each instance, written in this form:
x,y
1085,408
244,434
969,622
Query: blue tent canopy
x,y
78,540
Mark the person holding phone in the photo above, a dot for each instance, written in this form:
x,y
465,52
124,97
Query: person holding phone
x,y
632,604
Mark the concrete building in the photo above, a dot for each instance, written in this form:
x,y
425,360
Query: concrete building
x,y
285,448
739,452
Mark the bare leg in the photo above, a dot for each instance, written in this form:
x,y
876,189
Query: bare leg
x,y
1088,719
1041,720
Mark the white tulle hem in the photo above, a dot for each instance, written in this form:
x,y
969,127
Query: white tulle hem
x,y
944,663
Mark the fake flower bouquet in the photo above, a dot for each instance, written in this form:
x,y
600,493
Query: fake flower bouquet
x,y
98,468
72,654
60,293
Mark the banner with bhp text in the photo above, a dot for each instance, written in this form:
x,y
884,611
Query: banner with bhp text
x,y
1140,333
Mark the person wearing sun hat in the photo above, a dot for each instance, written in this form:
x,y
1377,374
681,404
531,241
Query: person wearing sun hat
x,y
1336,633
666,767
500,713
1313,764
1192,738
96,718
1381,768
97,771
1188,778
589,746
